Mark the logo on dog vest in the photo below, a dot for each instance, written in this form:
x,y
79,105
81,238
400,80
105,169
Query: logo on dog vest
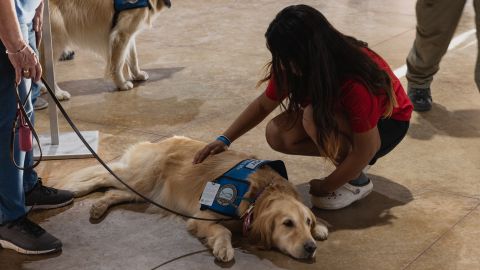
x,y
227,195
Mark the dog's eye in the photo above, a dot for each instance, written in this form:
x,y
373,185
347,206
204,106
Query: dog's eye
x,y
288,223
309,221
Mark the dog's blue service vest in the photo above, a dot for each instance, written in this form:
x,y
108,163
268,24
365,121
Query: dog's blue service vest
x,y
122,5
234,184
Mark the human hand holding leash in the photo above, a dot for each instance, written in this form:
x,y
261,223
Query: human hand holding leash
x,y
219,145
25,63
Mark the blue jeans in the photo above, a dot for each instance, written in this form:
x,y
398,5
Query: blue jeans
x,y
13,182
32,41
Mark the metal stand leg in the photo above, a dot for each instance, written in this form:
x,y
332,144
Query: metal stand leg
x,y
59,145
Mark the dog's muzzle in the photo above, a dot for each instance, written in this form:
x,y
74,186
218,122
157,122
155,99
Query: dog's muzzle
x,y
167,3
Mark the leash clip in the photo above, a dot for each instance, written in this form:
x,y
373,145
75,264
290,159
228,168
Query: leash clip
x,y
247,219
248,211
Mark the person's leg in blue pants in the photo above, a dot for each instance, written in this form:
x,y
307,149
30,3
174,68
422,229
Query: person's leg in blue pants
x,y
12,193
21,187
32,41
30,177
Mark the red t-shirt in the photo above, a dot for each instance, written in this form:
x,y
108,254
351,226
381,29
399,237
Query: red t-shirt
x,y
363,108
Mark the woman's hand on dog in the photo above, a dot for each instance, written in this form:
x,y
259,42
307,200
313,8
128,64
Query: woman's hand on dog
x,y
212,148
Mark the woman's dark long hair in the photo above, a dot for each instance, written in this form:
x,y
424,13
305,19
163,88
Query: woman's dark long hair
x,y
311,60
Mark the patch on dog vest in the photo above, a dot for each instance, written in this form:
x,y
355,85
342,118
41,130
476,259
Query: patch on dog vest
x,y
225,193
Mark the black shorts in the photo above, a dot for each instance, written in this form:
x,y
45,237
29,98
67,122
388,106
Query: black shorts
x,y
392,133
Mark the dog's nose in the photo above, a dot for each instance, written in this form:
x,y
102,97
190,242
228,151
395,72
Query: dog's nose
x,y
310,247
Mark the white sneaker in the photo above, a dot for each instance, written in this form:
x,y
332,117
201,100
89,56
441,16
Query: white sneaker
x,y
342,197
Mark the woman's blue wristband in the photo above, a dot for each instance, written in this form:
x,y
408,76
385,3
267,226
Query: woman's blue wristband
x,y
224,139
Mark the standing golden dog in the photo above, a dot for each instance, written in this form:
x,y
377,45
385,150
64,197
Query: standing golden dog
x,y
164,172
90,24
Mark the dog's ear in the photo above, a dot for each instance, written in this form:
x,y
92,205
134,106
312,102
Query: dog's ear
x,y
263,222
261,231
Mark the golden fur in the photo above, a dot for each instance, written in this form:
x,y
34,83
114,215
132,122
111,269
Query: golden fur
x,y
87,24
164,172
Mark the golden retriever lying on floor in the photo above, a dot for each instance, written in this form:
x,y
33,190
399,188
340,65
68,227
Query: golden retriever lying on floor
x,y
88,24
164,172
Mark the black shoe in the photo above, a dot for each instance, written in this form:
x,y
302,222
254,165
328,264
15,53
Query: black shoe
x,y
42,197
421,99
40,104
26,237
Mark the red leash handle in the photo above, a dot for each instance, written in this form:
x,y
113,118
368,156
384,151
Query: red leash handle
x,y
26,132
25,139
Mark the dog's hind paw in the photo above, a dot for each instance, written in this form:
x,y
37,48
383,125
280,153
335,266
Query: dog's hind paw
x,y
141,76
127,85
98,210
224,253
62,95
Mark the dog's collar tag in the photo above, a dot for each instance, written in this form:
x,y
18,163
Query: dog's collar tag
x,y
209,193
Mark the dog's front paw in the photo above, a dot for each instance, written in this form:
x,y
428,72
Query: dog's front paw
x,y
223,252
141,76
61,94
127,85
320,232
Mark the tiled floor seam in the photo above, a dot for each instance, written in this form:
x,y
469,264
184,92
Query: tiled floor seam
x,y
392,37
184,256
455,194
206,47
440,237
200,120
123,128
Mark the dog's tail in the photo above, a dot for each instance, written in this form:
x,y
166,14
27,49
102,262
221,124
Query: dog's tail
x,y
89,179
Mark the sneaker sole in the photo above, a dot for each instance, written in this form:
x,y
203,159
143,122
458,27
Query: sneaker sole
x,y
422,109
9,245
49,206
40,108
340,206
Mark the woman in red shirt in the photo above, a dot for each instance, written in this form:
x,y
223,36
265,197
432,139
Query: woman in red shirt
x,y
340,99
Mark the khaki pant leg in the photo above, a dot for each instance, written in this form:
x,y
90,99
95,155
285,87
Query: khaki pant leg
x,y
476,5
436,24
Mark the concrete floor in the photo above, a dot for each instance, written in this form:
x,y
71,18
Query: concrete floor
x,y
204,61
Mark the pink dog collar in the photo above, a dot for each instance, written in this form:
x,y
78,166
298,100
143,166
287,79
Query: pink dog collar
x,y
247,221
